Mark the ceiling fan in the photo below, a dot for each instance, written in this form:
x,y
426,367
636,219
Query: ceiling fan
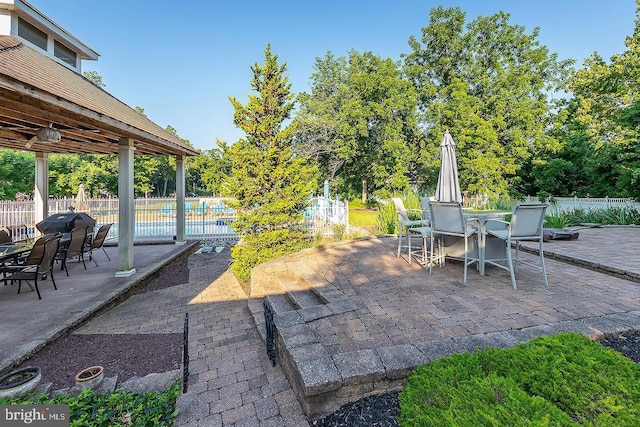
x,y
48,134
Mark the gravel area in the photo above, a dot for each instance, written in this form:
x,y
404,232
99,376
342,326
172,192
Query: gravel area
x,y
383,409
125,355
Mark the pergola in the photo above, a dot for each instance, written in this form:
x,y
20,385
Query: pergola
x,y
37,92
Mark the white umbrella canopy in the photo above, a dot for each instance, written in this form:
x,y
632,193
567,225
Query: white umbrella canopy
x,y
448,189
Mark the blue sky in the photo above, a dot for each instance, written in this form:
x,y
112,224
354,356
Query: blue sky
x,y
180,61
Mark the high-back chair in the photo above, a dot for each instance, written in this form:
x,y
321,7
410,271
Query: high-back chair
x,y
34,256
98,242
5,237
31,257
38,271
447,220
89,224
424,205
404,224
527,222
76,248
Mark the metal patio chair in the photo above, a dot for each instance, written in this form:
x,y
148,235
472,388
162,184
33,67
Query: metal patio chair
x,y
424,205
75,249
5,237
404,224
35,272
98,242
526,225
447,220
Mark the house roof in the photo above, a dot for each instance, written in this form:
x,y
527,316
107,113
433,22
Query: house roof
x,y
36,91
27,11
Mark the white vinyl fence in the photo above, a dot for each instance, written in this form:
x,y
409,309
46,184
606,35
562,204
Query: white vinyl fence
x,y
570,203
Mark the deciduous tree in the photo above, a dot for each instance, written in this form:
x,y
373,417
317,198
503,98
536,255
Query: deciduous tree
x,y
489,83
17,173
358,123
209,170
607,96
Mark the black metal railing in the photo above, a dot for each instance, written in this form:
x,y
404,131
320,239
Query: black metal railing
x,y
185,354
270,340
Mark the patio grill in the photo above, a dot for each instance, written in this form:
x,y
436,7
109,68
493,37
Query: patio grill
x,y
64,222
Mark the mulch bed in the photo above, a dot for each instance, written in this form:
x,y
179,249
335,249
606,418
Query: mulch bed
x,y
627,343
378,410
124,355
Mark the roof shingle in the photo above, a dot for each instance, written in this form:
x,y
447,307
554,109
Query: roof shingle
x,y
30,77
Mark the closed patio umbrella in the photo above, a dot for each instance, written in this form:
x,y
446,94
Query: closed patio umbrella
x,y
81,198
448,189
64,222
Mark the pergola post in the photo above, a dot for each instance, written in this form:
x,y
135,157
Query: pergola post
x,y
41,196
126,214
180,214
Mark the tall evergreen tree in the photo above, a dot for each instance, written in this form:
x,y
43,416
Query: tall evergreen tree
x,y
270,185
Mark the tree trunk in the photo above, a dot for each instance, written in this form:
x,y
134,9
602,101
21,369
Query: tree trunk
x,y
364,191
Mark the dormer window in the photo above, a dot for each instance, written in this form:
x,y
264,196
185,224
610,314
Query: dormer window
x,y
19,19
64,53
32,34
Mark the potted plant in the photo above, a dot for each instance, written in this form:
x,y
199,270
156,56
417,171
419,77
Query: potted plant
x,y
90,377
20,382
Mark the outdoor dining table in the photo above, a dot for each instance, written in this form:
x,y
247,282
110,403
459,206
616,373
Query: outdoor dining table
x,y
10,251
486,247
491,248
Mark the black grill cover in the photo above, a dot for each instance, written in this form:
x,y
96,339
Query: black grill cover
x,y
64,222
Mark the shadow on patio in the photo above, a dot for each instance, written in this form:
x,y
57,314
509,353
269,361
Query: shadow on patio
x,y
29,323
351,319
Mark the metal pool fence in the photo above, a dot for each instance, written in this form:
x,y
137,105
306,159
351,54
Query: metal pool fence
x,y
205,218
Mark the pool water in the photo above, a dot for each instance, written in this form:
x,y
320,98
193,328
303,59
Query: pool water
x,y
194,229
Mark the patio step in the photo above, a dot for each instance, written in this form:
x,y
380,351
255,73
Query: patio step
x,y
320,285
286,292
299,292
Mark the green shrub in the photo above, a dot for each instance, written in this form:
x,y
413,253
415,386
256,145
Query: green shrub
x,y
562,380
113,409
318,238
489,401
613,215
501,205
339,230
555,221
387,217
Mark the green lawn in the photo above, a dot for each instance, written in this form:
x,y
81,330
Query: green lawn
x,y
361,217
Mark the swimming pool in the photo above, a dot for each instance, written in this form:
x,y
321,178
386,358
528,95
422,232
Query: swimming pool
x,y
193,229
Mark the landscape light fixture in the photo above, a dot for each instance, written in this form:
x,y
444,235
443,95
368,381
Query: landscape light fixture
x,y
48,135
